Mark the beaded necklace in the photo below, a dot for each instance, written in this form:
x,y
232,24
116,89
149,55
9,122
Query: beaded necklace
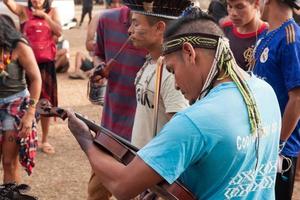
x,y
5,60
258,54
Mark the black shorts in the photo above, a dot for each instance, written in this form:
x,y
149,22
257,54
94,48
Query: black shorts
x,y
86,65
87,9
285,182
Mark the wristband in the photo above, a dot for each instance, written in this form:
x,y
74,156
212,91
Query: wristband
x,y
32,102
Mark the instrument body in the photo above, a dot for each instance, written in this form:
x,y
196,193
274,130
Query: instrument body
x,y
120,149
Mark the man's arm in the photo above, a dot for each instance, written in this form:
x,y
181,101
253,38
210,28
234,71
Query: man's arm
x,y
91,32
124,182
99,57
291,114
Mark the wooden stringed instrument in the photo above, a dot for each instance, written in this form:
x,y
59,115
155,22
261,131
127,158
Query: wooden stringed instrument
x,y
119,148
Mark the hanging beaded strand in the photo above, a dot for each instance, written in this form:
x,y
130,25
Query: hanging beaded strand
x,y
5,60
2,61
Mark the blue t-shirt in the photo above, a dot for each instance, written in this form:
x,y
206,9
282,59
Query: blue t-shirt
x,y
277,58
210,149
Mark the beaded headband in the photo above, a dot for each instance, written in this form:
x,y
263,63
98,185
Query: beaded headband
x,y
168,9
199,40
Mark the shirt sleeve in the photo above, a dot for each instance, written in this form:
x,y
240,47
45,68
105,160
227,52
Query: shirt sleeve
x,y
100,46
173,100
178,145
290,65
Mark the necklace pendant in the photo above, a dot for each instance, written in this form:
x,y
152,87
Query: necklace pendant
x,y
265,55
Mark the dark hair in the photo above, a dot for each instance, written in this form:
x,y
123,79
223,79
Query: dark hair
x,y
9,20
196,21
292,3
46,5
153,20
9,36
217,9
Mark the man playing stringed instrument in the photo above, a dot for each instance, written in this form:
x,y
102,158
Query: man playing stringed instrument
x,y
227,139
149,22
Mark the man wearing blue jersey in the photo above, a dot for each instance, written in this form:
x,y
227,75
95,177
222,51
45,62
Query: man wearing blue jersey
x,y
278,62
224,146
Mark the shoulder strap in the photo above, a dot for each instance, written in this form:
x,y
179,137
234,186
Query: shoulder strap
x,y
29,13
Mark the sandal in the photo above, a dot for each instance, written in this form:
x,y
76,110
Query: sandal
x,y
77,75
47,148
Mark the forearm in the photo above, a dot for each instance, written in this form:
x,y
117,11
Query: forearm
x,y
35,90
125,182
290,118
111,173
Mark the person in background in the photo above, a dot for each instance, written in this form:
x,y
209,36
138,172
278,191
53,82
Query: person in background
x,y
277,62
17,100
218,10
146,31
112,4
40,24
87,8
120,97
84,63
62,57
296,16
243,30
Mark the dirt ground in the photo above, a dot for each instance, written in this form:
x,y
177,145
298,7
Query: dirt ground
x,y
64,175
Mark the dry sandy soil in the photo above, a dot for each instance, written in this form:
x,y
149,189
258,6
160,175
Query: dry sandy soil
x,y
64,175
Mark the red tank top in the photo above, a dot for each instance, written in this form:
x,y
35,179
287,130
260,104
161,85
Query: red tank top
x,y
40,36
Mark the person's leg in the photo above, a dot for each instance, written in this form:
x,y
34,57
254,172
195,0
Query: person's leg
x,y
61,62
78,60
285,182
84,12
10,158
46,147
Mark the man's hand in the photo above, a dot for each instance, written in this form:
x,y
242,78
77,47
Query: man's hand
x,y
80,131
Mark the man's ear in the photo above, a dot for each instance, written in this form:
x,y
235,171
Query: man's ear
x,y
161,26
189,53
266,2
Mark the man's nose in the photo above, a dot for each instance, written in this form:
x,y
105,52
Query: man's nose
x,y
130,30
